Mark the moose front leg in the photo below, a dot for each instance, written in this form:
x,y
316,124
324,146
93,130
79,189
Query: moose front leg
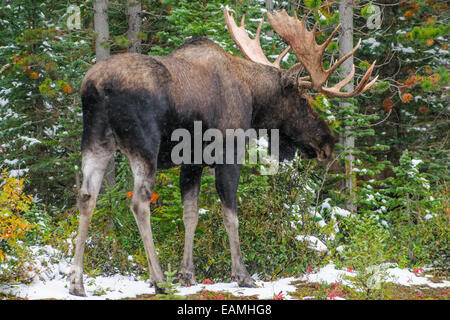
x,y
227,180
190,181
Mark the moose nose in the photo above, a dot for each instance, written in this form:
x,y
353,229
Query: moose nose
x,y
324,153
321,156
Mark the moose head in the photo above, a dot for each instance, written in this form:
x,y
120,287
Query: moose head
x,y
304,127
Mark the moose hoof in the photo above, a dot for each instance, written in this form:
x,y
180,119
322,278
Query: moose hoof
x,y
187,279
77,290
247,282
76,284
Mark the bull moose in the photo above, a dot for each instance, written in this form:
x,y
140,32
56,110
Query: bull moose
x,y
133,102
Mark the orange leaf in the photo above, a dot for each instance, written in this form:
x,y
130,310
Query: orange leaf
x,y
154,197
411,81
408,14
387,105
435,78
67,89
424,109
17,59
407,97
415,7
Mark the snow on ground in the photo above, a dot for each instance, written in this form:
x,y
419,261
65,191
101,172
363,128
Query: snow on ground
x,y
329,274
51,281
100,288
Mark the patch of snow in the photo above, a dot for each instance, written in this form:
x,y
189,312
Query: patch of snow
x,y
11,162
114,287
30,140
228,8
329,274
401,48
18,173
340,212
416,162
371,43
264,290
408,278
321,16
314,243
325,204
3,102
52,270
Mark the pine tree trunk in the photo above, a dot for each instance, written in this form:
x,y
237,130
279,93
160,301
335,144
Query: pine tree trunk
x,y
291,6
347,138
134,25
101,28
269,7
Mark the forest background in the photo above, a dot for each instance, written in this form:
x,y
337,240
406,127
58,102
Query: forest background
x,y
384,197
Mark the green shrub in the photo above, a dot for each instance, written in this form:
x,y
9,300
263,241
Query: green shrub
x,y
416,215
365,252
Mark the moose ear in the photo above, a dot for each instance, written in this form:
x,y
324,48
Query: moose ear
x,y
289,78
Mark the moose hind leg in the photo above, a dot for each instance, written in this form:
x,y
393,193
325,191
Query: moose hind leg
x,y
94,162
227,179
190,180
144,180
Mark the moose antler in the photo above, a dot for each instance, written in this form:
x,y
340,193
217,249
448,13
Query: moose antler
x,y
251,48
310,54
